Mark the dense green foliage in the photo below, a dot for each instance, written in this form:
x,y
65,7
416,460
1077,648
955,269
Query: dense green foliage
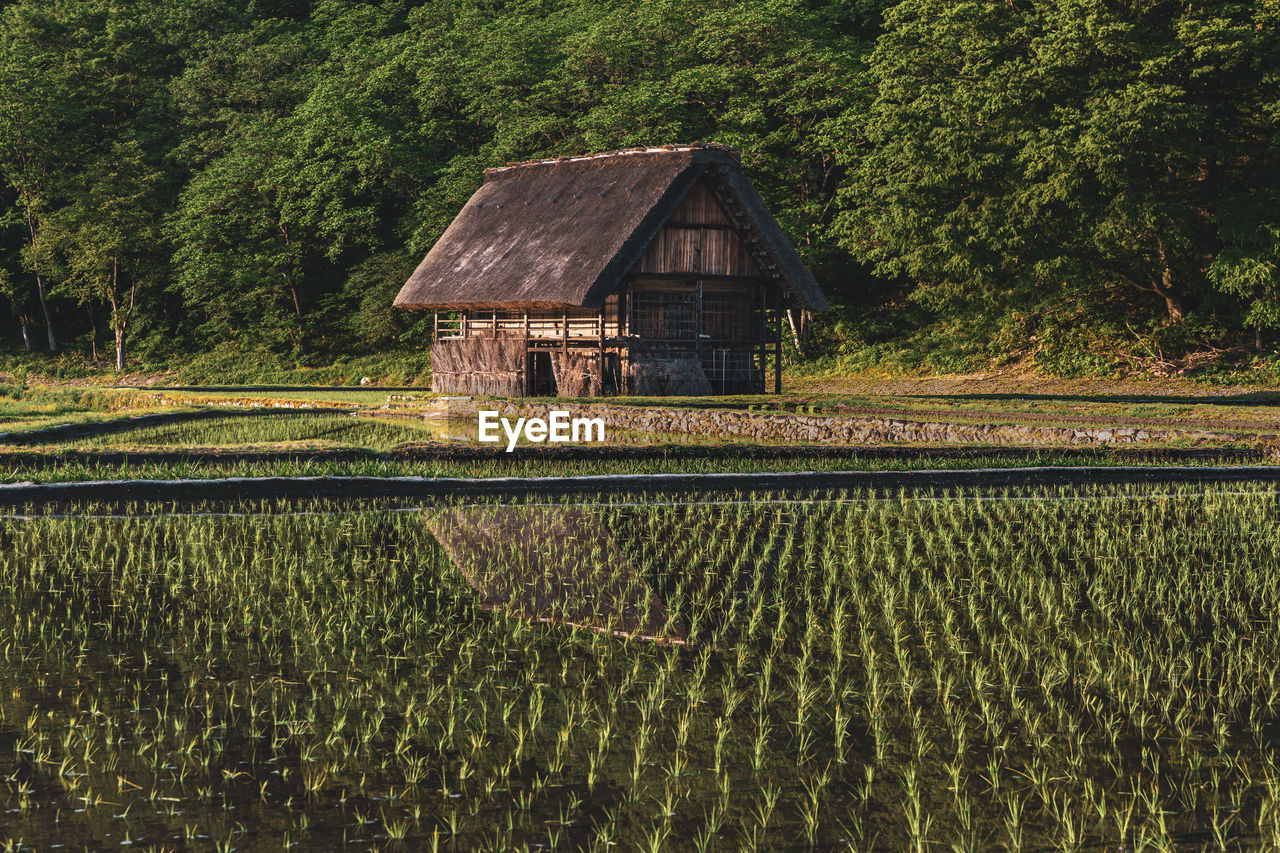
x,y
1074,159
203,176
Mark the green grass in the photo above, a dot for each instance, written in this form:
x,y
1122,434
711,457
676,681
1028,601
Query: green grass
x,y
21,404
228,364
1250,413
1248,416
356,396
221,433
1079,670
50,469
993,409
247,430
34,420
23,410
238,429
233,365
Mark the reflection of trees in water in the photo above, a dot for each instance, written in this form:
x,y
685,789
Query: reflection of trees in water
x,y
685,573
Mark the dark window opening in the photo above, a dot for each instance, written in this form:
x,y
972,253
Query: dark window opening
x,y
611,375
542,377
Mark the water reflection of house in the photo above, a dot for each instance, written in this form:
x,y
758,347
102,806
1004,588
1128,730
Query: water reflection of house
x,y
627,570
648,271
554,564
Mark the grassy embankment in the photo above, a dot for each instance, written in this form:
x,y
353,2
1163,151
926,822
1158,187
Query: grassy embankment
x,y
73,433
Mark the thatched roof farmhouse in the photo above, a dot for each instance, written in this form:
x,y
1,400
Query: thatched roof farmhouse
x,y
647,271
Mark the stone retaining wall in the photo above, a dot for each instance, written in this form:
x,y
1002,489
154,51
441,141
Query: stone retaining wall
x,y
844,429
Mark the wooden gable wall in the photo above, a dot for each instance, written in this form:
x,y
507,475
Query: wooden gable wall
x,y
698,239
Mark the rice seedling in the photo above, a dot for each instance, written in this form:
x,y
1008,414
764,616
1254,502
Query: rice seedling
x,y
1065,670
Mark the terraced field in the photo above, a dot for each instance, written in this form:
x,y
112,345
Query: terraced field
x,y
258,429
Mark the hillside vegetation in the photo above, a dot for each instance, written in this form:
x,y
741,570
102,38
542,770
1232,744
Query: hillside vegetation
x,y
1081,188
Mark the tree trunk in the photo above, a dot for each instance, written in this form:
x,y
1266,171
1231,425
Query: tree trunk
x,y
1173,307
1165,288
48,321
1257,338
120,319
26,332
93,333
291,279
35,268
795,332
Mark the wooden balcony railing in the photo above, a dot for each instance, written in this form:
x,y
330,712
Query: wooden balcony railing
x,y
547,329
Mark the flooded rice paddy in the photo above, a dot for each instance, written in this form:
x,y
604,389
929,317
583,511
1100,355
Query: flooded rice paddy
x,y
1087,670
319,428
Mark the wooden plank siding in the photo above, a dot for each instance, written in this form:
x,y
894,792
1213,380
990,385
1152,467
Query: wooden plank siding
x,y
698,239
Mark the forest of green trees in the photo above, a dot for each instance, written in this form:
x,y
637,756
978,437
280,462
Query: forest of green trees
x,y
1082,183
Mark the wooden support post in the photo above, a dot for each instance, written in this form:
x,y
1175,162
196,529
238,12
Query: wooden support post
x,y
495,325
565,337
625,320
624,339
528,362
698,320
435,334
601,369
777,358
764,341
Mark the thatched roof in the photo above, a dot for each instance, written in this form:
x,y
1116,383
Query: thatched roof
x,y
560,233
